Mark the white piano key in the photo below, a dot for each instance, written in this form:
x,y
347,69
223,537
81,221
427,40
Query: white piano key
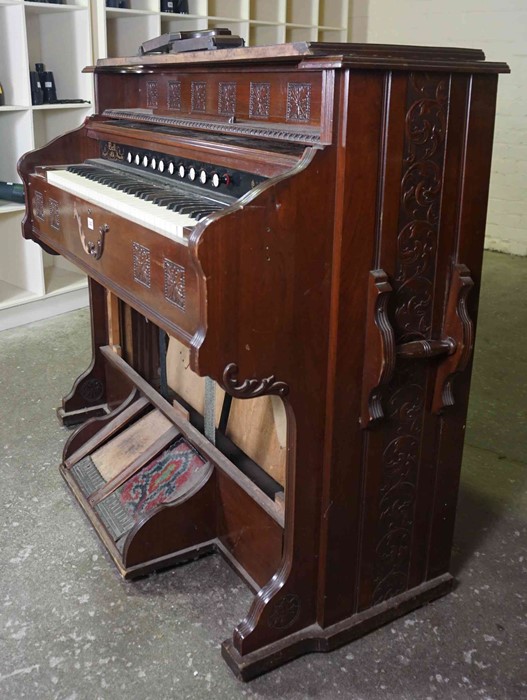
x,y
140,211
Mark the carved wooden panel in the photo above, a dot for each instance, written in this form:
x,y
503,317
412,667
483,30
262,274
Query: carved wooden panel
x,y
227,98
260,100
298,102
174,95
266,96
152,94
174,283
198,97
141,264
54,214
38,205
413,285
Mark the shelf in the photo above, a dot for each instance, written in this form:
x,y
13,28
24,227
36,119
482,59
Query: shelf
x,y
10,207
180,15
19,306
13,108
225,19
10,2
42,8
292,25
264,23
59,280
116,12
80,105
11,295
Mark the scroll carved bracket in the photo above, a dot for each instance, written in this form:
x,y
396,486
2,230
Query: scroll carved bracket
x,y
251,388
459,327
379,363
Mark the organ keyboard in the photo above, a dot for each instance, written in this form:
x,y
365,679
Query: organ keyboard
x,y
306,222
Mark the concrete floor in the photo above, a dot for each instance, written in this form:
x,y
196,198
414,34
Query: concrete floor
x,y
72,629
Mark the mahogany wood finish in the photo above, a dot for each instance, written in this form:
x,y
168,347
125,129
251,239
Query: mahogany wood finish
x,y
339,283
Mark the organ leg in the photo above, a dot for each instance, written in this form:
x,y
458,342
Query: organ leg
x,y
97,388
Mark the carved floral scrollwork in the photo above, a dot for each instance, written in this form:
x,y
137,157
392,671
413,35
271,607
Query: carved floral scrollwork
x,y
413,284
416,245
251,388
405,406
421,186
414,309
425,125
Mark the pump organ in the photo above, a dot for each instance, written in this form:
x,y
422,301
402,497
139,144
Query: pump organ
x,y
306,222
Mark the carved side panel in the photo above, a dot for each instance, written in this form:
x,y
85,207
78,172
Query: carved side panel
x,y
174,95
54,214
141,264
38,205
227,99
198,96
260,100
298,102
174,283
152,94
411,314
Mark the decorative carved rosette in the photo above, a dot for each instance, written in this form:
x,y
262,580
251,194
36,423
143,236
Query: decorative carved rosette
x,y
92,389
285,612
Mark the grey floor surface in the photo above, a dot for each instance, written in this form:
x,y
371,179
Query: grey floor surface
x,y
72,629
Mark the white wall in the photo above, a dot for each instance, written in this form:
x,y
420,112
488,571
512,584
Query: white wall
x,y
499,27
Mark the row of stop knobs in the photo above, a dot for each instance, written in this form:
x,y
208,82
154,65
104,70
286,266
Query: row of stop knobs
x,y
180,169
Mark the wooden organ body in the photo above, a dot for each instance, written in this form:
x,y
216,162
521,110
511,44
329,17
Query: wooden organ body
x,y
332,263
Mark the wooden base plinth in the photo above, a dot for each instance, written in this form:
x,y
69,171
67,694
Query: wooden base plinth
x,y
72,418
316,639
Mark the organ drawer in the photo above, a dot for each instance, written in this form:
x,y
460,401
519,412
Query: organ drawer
x,y
146,269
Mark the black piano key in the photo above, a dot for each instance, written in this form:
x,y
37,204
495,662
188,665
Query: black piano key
x,y
169,198
198,215
148,194
194,205
145,191
132,189
184,203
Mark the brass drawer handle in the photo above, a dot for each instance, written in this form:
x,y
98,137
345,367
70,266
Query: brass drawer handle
x,y
93,248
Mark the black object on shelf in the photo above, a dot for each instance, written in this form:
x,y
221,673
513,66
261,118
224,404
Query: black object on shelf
x,y
50,90
69,101
12,191
168,5
37,93
181,6
2,96
40,70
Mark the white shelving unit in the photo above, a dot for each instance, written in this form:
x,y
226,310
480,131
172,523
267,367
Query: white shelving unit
x,y
68,37
119,32
33,284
